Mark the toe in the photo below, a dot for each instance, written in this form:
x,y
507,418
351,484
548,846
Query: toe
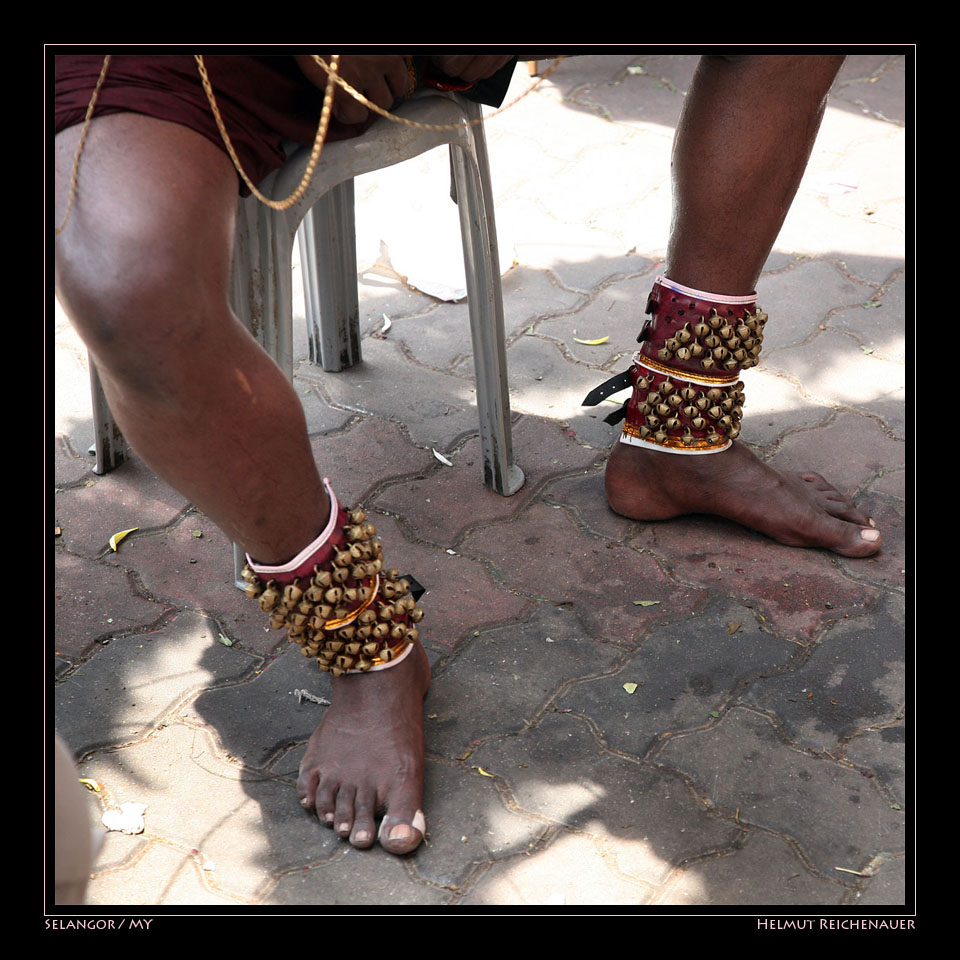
x,y
850,539
364,831
307,789
326,801
402,834
345,811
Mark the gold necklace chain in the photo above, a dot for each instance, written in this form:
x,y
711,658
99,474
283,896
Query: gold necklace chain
x,y
333,78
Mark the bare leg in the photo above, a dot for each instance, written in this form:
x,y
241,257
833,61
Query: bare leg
x,y
142,271
761,115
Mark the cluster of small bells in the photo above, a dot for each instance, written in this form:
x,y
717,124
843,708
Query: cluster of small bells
x,y
354,579
718,343
717,410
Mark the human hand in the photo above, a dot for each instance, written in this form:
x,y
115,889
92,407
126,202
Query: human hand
x,y
381,79
470,67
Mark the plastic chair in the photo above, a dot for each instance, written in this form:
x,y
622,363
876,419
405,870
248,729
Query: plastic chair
x,y
262,286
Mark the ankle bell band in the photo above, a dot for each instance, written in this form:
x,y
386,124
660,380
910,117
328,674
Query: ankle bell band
x,y
687,396
336,599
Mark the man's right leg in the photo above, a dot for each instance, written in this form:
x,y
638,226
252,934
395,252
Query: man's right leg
x,y
142,270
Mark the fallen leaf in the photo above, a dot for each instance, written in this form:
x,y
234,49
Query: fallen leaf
x,y
442,459
592,343
226,641
714,714
198,533
117,537
91,784
733,626
644,603
483,773
57,531
630,687
867,350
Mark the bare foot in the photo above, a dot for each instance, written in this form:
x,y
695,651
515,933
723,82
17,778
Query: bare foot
x,y
366,759
801,510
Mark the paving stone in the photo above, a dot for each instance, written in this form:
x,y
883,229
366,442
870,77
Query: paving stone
x,y
833,370
247,825
883,752
639,98
355,878
467,824
685,673
163,876
775,406
836,815
788,587
359,459
876,87
649,821
134,682
582,259
449,501
184,570
505,677
130,496
889,567
552,560
572,871
256,718
852,679
320,415
585,496
68,467
442,339
766,872
94,600
881,328
888,887
434,407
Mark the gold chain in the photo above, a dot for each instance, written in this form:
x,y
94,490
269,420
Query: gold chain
x,y
83,136
333,78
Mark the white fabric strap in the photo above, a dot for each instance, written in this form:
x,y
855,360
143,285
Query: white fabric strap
x,y
648,445
703,295
307,551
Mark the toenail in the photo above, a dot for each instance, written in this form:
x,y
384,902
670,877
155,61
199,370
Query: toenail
x,y
304,802
344,828
328,818
362,836
871,521
870,535
400,832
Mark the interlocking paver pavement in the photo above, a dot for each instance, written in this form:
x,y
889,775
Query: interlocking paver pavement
x,y
761,758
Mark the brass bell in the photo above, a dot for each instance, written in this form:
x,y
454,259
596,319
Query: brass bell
x,y
298,620
342,558
720,353
334,595
354,532
683,353
344,662
398,632
392,574
664,354
730,364
370,649
364,632
317,622
698,423
755,352
416,614
364,594
684,335
666,386
672,423
702,403
350,595
340,574
356,515
713,436
292,594
369,530
743,331
643,408
696,350
268,599
380,630
734,431
673,345
358,550
663,409
374,566
413,634
761,317
660,436
387,611
249,575
364,665
726,422
310,649
740,355
652,421
643,383
747,364
313,594
716,412
340,613
702,329
707,363
726,332
337,671
727,405
357,572
714,394
689,393
712,341
277,623
322,578
386,654
351,648
296,632
253,590
644,433
688,438
334,646
323,665
715,320
674,399
689,411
